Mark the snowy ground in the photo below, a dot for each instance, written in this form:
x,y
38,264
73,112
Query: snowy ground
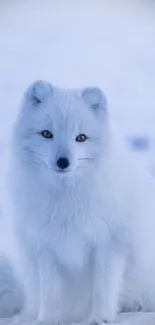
x,y
108,43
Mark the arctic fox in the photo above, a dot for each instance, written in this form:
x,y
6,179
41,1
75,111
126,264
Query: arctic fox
x,y
80,254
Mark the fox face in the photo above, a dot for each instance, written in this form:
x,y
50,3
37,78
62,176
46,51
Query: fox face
x,y
62,132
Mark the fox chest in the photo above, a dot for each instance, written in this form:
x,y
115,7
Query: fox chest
x,y
73,250
70,230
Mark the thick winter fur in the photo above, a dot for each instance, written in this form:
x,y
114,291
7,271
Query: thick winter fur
x,y
11,294
85,235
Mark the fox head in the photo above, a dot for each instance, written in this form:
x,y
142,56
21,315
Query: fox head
x,y
62,133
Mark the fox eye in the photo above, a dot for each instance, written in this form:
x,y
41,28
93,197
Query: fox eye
x,y
47,134
81,138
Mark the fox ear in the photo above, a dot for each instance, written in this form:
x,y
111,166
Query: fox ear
x,y
95,98
38,92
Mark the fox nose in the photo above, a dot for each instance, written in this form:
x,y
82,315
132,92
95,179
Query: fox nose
x,y
63,162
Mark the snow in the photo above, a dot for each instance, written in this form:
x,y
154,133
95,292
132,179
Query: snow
x,y
78,43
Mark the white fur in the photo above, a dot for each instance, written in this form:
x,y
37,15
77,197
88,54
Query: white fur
x,y
11,295
81,235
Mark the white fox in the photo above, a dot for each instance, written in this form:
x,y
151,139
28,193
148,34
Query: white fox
x,y
84,232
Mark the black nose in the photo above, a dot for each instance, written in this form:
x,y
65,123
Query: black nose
x,y
62,163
